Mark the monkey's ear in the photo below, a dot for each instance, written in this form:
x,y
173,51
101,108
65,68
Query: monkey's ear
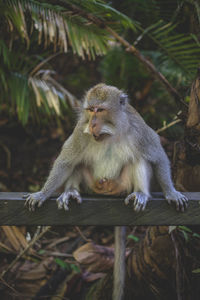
x,y
123,99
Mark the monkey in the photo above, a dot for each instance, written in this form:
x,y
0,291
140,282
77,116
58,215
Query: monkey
x,y
112,151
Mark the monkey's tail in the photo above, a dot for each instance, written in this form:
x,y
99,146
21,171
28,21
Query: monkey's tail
x,y
119,263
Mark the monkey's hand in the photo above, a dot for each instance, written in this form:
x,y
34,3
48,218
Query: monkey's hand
x,y
34,199
180,200
63,200
139,200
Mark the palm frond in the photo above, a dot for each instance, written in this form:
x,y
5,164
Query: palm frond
x,y
14,14
191,6
107,13
55,25
4,52
182,49
61,25
30,94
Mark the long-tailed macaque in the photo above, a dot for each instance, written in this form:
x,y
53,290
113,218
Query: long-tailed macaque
x,y
111,151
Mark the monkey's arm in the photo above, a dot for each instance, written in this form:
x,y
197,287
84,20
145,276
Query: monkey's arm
x,y
61,171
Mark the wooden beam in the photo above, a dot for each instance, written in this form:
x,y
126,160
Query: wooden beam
x,y
98,210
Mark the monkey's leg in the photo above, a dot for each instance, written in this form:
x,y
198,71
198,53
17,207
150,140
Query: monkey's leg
x,y
141,174
163,174
71,190
119,263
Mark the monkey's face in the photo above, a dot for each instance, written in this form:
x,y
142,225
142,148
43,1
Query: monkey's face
x,y
99,125
104,111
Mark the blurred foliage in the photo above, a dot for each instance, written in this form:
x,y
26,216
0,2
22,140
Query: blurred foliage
x,y
31,34
172,45
35,35
122,69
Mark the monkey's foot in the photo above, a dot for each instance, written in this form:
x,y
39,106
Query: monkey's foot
x,y
139,200
180,200
34,199
63,199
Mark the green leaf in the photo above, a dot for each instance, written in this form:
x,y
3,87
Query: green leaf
x,y
184,228
67,266
133,237
196,271
186,236
61,263
75,268
196,235
178,48
41,251
104,10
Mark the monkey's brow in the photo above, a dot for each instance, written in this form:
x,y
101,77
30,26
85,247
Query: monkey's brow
x,y
95,106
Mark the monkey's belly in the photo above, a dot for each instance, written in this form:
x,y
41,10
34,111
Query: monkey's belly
x,y
115,186
108,187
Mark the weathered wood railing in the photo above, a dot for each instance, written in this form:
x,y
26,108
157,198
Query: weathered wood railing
x,y
98,210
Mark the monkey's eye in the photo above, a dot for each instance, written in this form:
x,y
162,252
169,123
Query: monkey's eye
x,y
100,109
94,109
90,109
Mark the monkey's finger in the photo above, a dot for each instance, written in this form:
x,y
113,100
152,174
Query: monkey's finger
x,y
60,201
137,202
129,198
40,202
184,203
65,206
186,199
179,205
27,200
168,201
126,201
65,200
137,208
31,204
144,206
137,205
28,196
78,199
60,205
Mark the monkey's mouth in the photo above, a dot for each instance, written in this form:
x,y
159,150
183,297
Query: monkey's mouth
x,y
100,137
